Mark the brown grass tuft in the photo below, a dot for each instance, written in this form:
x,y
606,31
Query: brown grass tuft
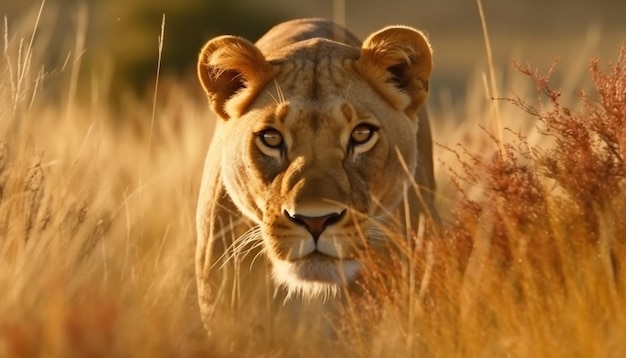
x,y
531,263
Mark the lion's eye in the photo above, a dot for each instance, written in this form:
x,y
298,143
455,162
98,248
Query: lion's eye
x,y
271,138
362,133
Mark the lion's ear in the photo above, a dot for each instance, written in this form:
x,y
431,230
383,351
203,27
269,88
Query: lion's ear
x,y
397,60
232,71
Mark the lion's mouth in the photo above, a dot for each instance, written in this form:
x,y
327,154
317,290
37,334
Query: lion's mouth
x,y
315,274
318,255
318,267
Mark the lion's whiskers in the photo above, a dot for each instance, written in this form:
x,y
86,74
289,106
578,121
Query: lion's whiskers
x,y
347,93
279,93
258,254
242,246
377,237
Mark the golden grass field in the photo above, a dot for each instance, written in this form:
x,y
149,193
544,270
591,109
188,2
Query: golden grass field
x,y
97,229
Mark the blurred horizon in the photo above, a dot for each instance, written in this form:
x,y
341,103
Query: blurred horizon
x,y
121,37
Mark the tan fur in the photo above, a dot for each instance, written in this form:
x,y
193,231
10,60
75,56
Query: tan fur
x,y
317,201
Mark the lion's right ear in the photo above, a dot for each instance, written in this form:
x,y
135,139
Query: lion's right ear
x,y
232,71
398,61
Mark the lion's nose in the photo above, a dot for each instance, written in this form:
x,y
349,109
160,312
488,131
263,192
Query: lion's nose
x,y
316,224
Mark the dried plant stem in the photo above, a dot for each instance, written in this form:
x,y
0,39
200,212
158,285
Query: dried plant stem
x,y
156,85
23,67
79,49
339,12
492,78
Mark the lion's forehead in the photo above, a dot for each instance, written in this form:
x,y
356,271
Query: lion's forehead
x,y
317,71
315,80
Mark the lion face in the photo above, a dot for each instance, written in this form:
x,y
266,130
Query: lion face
x,y
321,140
314,179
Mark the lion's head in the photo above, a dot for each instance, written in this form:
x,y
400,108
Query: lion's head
x,y
316,140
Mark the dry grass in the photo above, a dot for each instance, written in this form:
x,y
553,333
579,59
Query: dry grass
x,y
97,232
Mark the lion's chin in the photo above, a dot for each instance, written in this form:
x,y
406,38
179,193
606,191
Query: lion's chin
x,y
314,276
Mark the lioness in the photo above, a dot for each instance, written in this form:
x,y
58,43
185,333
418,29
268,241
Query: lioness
x,y
320,138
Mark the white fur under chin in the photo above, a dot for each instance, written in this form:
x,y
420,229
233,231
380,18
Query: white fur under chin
x,y
313,279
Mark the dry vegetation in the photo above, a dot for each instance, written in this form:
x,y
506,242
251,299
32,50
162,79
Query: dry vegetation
x,y
97,232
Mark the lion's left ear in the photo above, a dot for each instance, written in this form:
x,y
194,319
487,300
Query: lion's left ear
x,y
397,61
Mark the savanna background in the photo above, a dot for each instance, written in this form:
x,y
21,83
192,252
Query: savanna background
x,y
100,162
